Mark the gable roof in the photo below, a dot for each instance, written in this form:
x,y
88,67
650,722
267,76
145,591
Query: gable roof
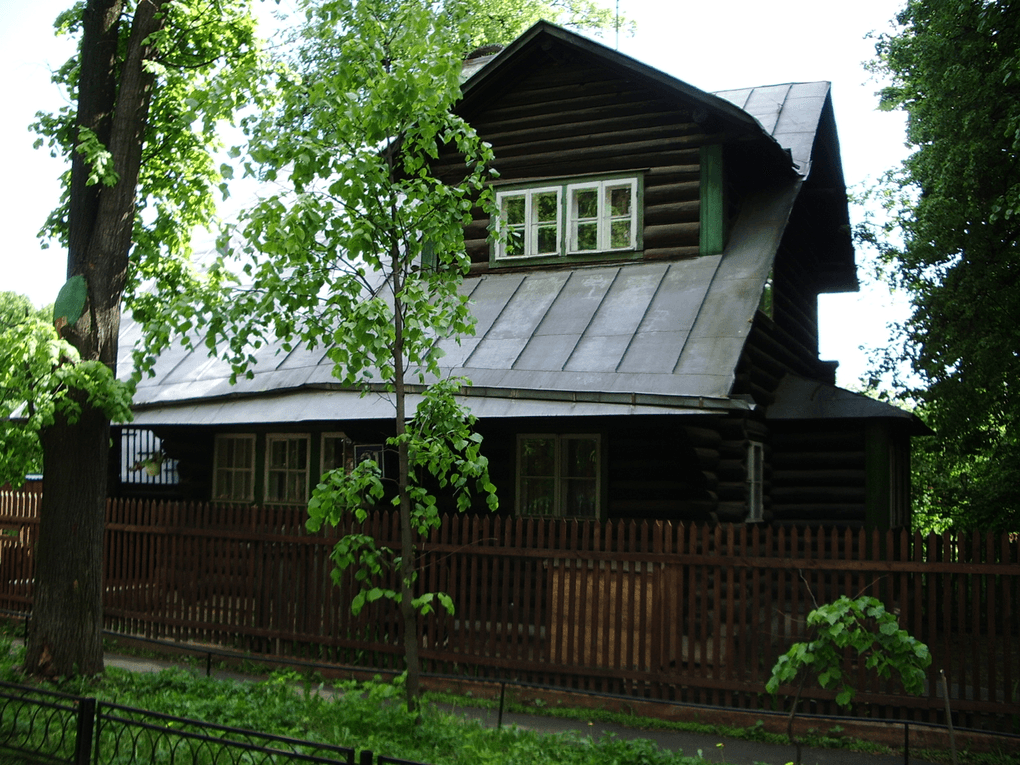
x,y
619,339
501,71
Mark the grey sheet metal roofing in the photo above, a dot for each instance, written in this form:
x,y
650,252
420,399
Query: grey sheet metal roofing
x,y
634,338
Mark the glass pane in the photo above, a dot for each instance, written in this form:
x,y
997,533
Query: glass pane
x,y
274,491
619,200
547,240
296,487
579,498
222,485
300,454
588,236
515,243
581,459
586,203
538,457
620,236
513,210
545,206
537,496
277,454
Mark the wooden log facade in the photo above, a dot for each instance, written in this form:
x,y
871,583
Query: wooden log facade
x,y
563,113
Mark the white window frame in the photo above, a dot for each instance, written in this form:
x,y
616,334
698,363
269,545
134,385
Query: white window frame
x,y
560,478
604,217
249,496
530,225
567,220
272,438
755,482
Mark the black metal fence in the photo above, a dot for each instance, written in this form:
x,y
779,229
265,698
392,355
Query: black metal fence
x,y
43,726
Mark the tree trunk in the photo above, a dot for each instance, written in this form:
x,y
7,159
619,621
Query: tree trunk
x,y
65,632
114,96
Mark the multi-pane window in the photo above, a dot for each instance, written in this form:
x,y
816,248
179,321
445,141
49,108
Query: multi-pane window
x,y
601,216
569,219
530,223
234,468
286,468
558,475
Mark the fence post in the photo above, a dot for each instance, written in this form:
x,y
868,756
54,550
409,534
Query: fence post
x,y
83,740
365,758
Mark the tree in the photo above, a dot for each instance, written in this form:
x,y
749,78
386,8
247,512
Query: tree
x,y
953,66
874,635
362,252
149,84
37,372
15,308
501,21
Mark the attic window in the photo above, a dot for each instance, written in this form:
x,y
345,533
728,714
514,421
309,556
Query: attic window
x,y
597,218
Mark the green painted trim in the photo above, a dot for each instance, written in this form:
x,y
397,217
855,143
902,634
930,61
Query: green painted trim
x,y
712,202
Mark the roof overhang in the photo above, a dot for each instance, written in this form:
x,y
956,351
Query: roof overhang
x,y
338,404
798,398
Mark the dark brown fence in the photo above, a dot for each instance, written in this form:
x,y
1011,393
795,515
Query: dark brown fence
x,y
662,611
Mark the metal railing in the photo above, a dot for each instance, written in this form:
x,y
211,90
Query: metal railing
x,y
50,727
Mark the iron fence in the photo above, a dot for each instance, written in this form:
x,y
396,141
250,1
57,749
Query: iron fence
x,y
43,726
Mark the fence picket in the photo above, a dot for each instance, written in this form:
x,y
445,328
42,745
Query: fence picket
x,y
660,610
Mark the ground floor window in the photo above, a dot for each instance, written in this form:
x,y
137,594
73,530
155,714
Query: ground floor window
x,y
142,460
559,475
286,468
234,468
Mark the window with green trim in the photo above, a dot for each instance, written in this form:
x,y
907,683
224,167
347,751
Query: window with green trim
x,y
576,220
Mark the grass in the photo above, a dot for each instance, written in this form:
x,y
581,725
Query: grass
x,y
371,716
360,716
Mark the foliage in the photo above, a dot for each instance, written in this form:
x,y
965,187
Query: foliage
x,y
872,633
361,251
208,65
39,375
350,714
502,21
146,91
952,66
15,308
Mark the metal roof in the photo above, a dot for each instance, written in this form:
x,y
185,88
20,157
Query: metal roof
x,y
798,398
790,113
669,330
620,339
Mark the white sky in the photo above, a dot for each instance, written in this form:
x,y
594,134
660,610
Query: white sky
x,y
714,45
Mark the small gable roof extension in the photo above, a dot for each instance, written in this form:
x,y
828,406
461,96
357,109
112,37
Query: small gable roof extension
x,y
662,337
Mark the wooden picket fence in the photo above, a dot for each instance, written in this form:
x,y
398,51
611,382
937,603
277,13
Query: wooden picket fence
x,y
697,614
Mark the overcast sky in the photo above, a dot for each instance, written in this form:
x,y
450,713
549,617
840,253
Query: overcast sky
x,y
715,45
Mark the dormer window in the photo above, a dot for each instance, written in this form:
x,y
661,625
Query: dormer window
x,y
602,216
576,220
531,221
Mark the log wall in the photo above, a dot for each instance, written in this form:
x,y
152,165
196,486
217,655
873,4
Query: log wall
x,y
570,116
